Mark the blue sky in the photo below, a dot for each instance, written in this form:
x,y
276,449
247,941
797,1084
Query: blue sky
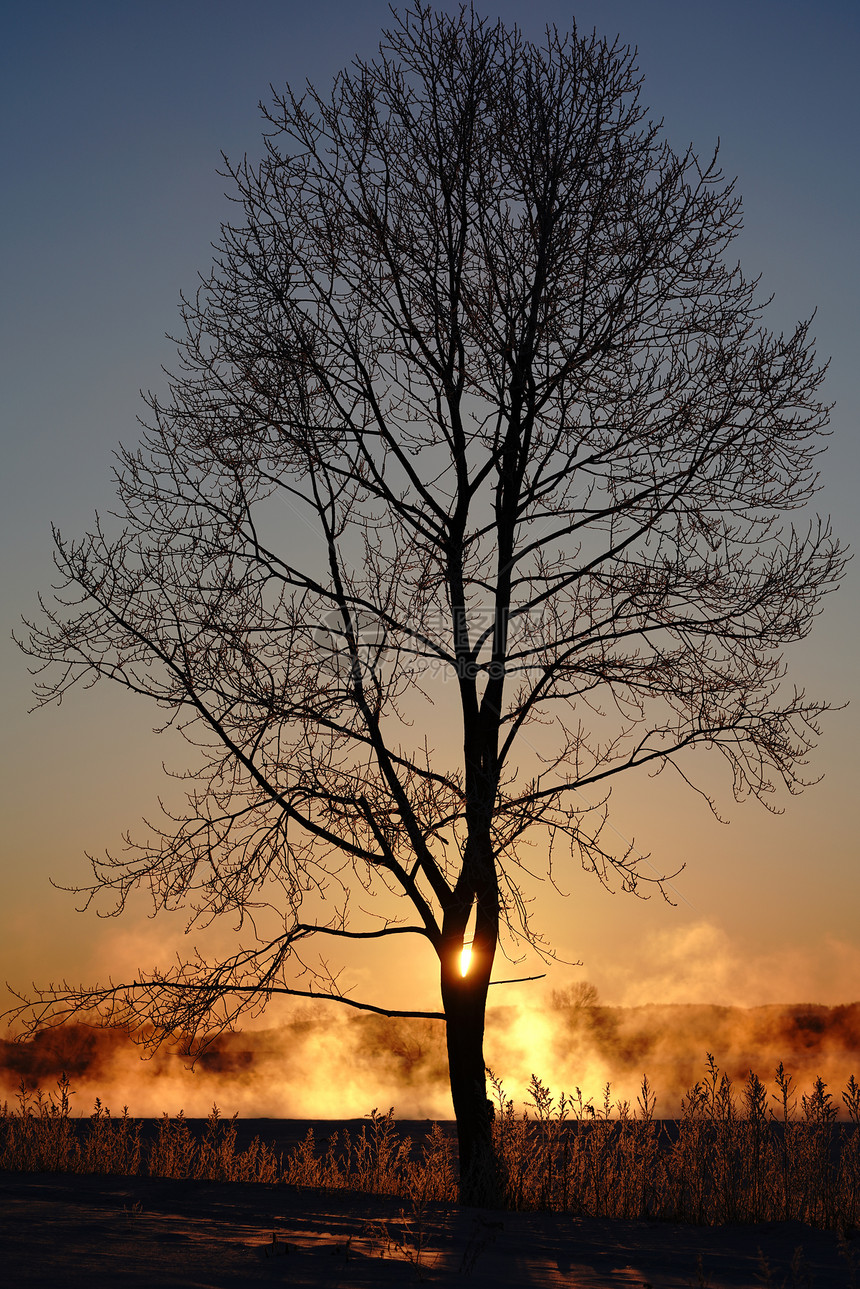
x,y
114,117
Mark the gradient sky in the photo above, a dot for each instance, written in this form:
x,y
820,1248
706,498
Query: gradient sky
x,y
114,116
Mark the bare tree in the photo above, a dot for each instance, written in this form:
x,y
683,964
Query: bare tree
x,y
472,410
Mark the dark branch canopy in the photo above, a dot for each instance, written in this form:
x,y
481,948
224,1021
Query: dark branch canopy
x,y
473,410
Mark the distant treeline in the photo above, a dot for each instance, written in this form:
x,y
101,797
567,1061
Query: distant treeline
x,y
572,1040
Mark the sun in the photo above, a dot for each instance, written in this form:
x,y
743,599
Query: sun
x,y
465,959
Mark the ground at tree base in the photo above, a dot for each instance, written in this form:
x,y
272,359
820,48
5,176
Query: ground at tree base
x,y
86,1231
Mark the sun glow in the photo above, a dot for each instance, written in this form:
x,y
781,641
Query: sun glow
x,y
465,959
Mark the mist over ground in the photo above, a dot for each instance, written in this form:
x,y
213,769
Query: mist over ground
x,y
324,1063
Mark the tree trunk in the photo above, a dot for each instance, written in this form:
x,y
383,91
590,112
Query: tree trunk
x,y
464,999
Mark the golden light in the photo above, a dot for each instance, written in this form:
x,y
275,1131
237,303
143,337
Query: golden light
x,y
465,959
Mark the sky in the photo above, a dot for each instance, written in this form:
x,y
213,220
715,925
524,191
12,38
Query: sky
x,y
114,118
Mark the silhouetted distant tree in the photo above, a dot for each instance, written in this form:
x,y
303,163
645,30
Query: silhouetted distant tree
x,y
472,410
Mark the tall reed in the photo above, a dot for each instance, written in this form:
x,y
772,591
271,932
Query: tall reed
x,y
734,1155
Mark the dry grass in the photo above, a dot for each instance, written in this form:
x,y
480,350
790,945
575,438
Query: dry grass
x,y
40,1135
731,1157
379,1161
735,1155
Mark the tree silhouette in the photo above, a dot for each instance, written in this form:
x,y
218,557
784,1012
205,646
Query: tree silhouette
x,y
471,411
